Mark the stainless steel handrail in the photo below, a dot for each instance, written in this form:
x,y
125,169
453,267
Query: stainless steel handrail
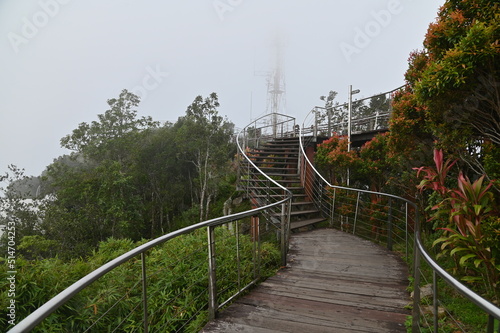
x,y
419,251
285,229
32,320
53,304
482,303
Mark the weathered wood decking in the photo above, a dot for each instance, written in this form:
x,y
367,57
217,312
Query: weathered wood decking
x,y
335,282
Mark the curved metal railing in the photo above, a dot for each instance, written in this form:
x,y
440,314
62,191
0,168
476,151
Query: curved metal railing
x,y
239,234
383,218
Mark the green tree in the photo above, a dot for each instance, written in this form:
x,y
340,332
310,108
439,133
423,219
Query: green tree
x,y
334,160
98,195
455,79
163,178
113,134
18,207
91,205
376,163
205,141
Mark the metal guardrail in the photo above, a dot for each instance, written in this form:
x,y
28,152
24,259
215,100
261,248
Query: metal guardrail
x,y
268,127
368,114
383,218
259,187
236,230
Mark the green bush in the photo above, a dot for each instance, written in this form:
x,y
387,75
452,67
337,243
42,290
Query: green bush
x,y
177,284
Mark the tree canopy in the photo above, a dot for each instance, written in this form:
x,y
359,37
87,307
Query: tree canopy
x,y
128,177
453,90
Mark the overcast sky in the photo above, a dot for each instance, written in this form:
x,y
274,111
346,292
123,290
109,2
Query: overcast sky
x,y
61,60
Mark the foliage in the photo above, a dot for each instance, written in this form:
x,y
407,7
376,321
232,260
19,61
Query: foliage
x,y
453,86
38,247
467,209
371,167
109,137
18,208
177,284
408,131
204,141
127,178
333,157
375,162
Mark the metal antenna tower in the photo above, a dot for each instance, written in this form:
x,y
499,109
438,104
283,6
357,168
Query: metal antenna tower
x,y
276,87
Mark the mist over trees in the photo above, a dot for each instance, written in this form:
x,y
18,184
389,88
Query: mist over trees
x,y
127,177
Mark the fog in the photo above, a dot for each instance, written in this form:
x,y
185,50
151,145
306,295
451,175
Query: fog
x,y
62,60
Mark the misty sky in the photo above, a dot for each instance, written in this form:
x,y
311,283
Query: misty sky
x,y
61,60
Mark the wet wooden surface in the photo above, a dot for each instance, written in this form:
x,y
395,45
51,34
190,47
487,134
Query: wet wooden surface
x,y
335,282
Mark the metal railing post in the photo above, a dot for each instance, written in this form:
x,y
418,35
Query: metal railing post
x,y
329,112
238,259
415,327
268,195
435,301
491,325
212,282
389,226
283,234
333,207
406,230
320,194
255,222
356,215
144,293
315,131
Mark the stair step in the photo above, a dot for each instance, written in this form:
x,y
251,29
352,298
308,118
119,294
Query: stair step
x,y
305,223
274,158
264,182
280,146
283,169
278,196
276,188
302,212
271,144
302,203
296,175
278,152
272,162
288,181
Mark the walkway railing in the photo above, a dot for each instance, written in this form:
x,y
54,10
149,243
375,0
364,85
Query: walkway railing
x,y
389,220
367,115
266,128
210,263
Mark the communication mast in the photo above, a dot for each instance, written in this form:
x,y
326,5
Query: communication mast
x,y
276,88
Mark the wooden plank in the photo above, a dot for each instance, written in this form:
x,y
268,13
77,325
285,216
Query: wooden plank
x,y
351,317
340,297
305,223
334,282
370,288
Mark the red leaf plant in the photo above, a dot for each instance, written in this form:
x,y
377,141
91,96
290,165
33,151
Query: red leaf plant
x,y
467,209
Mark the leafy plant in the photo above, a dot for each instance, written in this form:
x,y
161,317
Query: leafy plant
x,y
467,208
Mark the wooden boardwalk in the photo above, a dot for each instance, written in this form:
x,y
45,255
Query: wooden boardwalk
x,y
335,282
